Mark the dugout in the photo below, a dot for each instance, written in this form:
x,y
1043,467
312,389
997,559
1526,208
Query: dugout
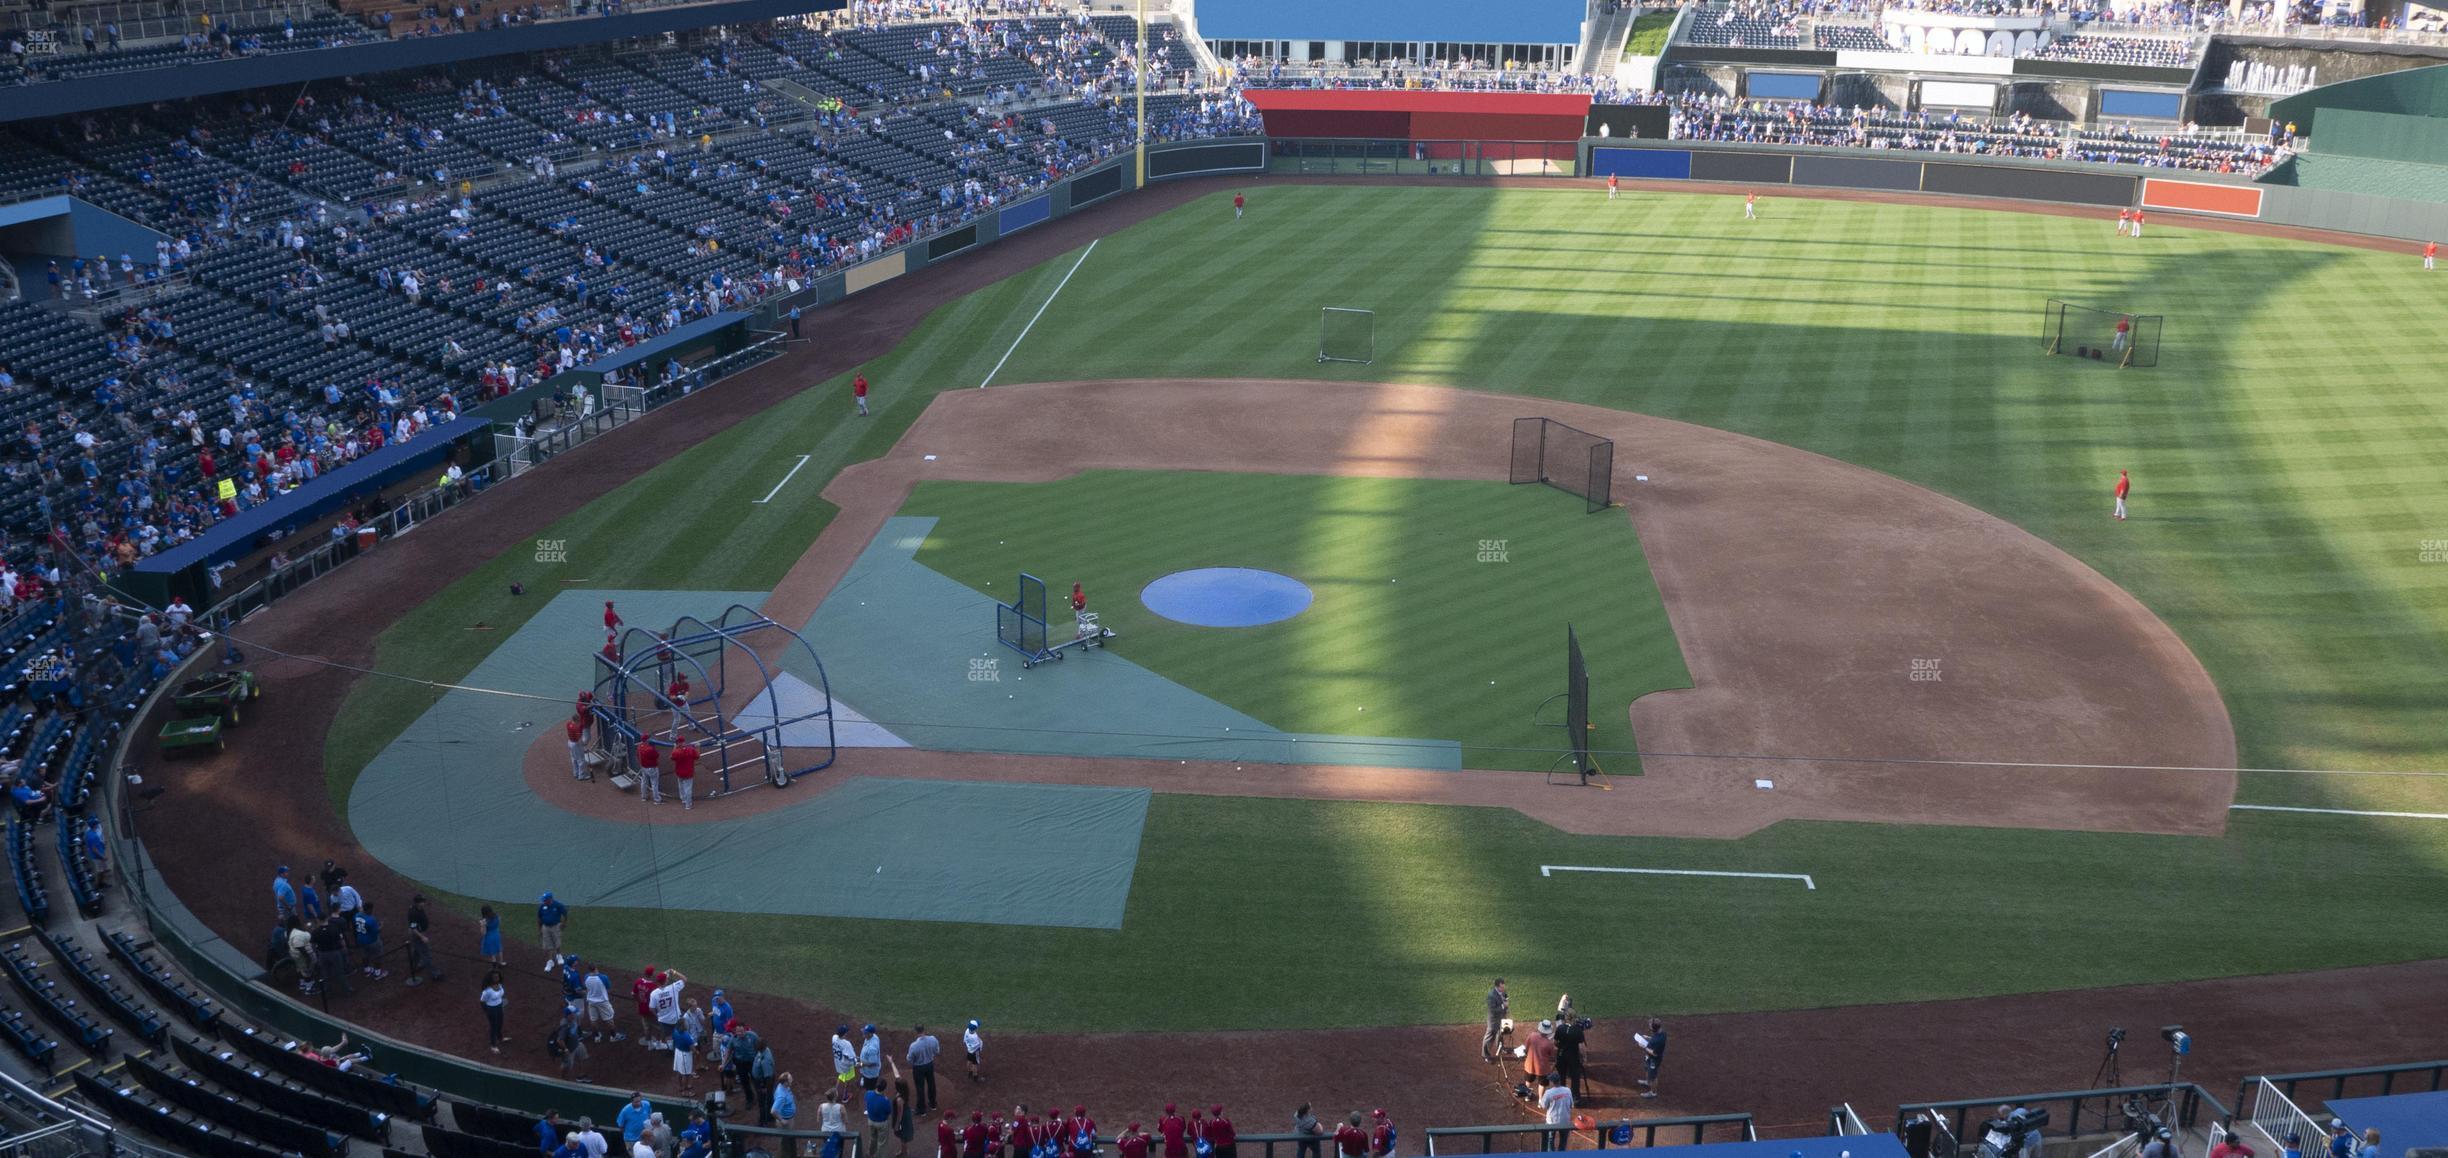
x,y
186,570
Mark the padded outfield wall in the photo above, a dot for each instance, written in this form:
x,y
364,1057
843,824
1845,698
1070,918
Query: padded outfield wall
x,y
2105,187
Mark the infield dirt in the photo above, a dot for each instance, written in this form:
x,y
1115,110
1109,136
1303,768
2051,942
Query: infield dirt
x,y
1789,1067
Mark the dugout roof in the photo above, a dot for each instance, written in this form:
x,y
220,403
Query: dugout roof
x,y
2406,1121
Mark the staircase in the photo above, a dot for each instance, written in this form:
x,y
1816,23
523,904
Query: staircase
x,y
1603,49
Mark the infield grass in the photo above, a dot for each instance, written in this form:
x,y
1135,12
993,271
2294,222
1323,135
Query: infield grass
x,y
2289,456
1440,606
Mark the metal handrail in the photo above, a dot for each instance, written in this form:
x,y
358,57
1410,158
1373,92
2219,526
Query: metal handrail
x,y
425,503
1553,1137
2187,1098
2388,1075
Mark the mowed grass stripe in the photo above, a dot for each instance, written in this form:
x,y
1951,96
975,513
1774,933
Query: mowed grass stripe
x,y
2279,453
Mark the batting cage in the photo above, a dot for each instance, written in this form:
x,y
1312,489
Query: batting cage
x,y
2102,336
1573,461
1346,335
750,693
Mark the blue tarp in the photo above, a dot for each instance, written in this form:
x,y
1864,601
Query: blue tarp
x,y
663,343
328,492
1466,21
2405,1120
1653,164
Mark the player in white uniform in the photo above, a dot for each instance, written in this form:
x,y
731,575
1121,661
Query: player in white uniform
x,y
665,1001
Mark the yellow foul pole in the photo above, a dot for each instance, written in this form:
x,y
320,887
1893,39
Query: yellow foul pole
x,y
1142,70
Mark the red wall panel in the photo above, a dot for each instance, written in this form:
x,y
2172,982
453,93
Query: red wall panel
x,y
1484,126
1337,123
1422,115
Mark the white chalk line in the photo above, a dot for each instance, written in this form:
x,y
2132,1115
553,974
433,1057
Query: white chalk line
x,y
1548,870
2339,811
1041,309
794,471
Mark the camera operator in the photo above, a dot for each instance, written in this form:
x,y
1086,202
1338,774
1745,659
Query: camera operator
x,y
1999,1135
2014,1132
1570,1035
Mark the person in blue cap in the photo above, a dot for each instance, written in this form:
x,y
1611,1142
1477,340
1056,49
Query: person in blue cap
x,y
870,1059
551,918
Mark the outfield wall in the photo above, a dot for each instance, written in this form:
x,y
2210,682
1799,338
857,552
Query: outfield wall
x,y
2105,187
1165,162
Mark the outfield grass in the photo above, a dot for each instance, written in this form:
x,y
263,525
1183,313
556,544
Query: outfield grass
x,y
1440,605
1253,913
2287,457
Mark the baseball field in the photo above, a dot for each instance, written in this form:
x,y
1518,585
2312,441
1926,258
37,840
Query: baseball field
x,y
1871,373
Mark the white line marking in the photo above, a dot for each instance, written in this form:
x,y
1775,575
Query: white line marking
x,y
2339,811
1548,870
1032,322
785,481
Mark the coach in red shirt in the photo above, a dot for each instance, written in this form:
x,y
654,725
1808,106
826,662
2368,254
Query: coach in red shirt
x,y
1133,1143
1175,1133
684,770
650,772
1350,1140
576,727
1220,1135
947,1139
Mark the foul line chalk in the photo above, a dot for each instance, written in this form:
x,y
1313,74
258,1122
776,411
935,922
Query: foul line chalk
x,y
794,470
2339,811
1548,870
1032,322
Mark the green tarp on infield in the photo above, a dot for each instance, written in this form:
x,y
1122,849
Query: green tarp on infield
x,y
916,651
445,804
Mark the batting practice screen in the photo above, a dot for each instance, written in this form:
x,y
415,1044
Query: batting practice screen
x,y
2103,336
1573,461
1021,623
1576,703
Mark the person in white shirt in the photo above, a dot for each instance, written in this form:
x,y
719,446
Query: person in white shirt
x,y
665,1001
975,1044
829,1114
592,1138
1557,1102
